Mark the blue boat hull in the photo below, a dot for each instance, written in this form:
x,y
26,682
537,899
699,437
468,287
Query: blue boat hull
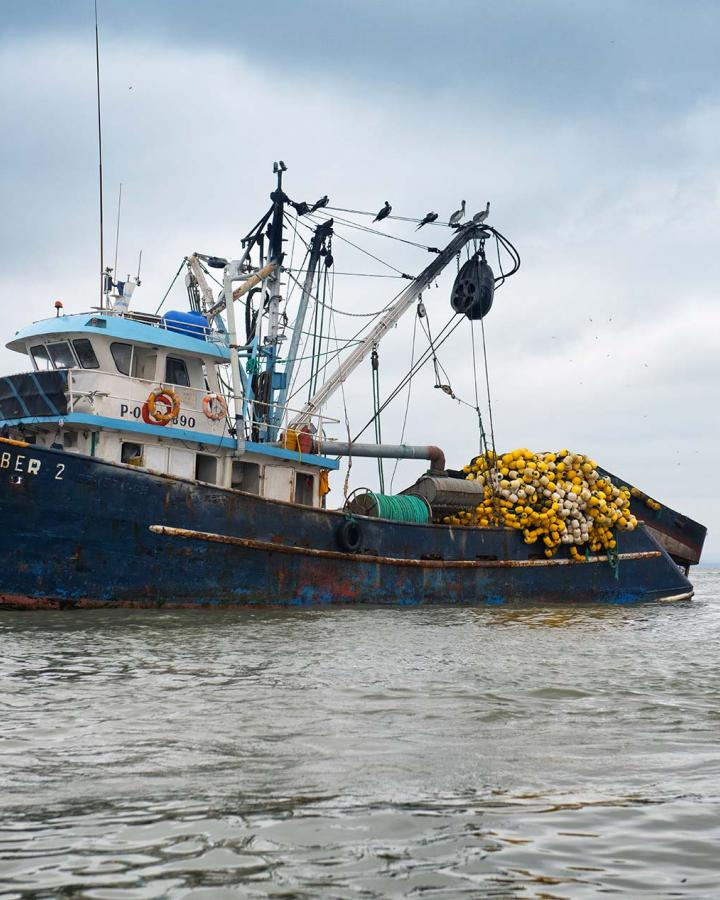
x,y
82,532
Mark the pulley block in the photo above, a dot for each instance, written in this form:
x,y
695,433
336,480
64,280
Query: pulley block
x,y
474,288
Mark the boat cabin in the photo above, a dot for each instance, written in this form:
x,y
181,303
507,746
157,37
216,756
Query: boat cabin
x,y
151,392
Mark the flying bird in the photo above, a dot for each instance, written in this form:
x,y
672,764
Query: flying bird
x,y
430,217
457,215
480,217
384,212
323,201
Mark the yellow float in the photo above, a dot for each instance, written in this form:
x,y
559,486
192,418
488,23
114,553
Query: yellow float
x,y
555,499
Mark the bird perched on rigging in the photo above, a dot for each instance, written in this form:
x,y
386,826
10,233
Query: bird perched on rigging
x,y
457,215
323,201
430,217
300,206
384,212
480,217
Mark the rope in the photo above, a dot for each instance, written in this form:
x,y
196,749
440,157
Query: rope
x,y
401,507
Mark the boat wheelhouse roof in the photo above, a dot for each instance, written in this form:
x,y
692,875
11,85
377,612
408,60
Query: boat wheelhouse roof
x,y
134,328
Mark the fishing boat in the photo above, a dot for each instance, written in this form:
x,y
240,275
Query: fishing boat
x,y
163,460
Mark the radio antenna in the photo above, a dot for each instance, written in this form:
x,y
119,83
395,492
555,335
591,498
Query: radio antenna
x,y
117,229
97,81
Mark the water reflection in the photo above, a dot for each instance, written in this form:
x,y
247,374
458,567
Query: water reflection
x,y
547,752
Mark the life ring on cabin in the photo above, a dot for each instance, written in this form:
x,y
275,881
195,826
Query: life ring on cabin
x,y
349,536
169,399
214,407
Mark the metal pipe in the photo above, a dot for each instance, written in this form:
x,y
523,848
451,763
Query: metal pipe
x,y
385,451
234,362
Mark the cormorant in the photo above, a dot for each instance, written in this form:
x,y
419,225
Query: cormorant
x,y
323,201
430,217
384,212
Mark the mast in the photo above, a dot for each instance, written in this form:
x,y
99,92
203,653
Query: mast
x,y
265,414
275,254
391,317
103,274
322,232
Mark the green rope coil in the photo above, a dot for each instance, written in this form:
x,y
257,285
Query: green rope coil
x,y
401,508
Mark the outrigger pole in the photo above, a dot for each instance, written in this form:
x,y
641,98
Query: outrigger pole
x,y
391,317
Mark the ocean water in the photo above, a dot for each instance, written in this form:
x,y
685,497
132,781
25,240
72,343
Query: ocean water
x,y
536,752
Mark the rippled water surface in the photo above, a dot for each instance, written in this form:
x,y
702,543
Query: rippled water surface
x,y
362,752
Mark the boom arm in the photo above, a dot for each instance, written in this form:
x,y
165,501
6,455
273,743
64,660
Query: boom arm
x,y
391,317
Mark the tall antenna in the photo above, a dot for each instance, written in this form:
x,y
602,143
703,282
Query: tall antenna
x,y
97,80
117,230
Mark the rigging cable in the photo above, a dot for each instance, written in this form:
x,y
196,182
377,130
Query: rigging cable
x,y
171,286
375,366
355,337
391,237
443,335
361,212
371,255
346,482
407,401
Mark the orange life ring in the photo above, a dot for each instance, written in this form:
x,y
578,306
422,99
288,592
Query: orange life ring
x,y
167,398
214,407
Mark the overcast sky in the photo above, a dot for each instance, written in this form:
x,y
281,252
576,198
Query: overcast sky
x,y
592,128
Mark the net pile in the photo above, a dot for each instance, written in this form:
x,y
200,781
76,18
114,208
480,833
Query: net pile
x,y
555,498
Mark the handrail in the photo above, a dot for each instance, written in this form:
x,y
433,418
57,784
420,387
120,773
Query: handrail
x,y
151,383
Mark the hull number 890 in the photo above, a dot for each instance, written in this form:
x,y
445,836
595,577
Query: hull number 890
x,y
135,412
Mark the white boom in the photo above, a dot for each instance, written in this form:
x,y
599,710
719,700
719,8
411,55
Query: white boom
x,y
391,317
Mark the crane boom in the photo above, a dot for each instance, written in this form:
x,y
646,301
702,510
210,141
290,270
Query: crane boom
x,y
391,317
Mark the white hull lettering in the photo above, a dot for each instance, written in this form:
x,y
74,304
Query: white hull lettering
x,y
21,464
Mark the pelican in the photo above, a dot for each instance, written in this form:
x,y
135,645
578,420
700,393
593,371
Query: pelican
x,y
480,217
384,212
430,217
457,215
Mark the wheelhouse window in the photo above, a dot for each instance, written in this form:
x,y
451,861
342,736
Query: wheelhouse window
x,y
40,357
176,372
61,354
122,354
86,354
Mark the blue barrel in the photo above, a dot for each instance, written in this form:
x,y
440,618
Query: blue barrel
x,y
193,324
